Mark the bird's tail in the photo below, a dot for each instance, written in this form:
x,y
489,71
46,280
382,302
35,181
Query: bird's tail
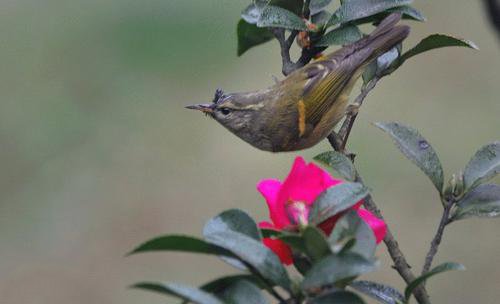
x,y
385,37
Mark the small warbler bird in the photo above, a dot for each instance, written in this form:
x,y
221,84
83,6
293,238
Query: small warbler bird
x,y
301,110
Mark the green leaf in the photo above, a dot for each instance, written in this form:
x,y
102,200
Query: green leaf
x,y
436,270
253,253
321,18
315,242
249,35
294,6
295,241
243,292
274,16
336,268
335,200
357,9
408,12
317,6
343,35
251,13
187,293
416,149
436,41
180,243
233,220
338,162
268,232
352,227
220,284
382,293
338,297
482,201
484,165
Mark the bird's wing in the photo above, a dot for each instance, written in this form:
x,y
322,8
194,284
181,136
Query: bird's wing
x,y
326,80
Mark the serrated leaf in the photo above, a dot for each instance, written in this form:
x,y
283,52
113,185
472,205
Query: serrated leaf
x,y
484,165
382,293
338,297
436,270
343,35
274,16
180,243
336,268
482,201
408,12
352,227
233,220
315,6
416,148
294,6
187,293
335,200
315,243
357,9
243,292
249,35
436,41
338,162
253,253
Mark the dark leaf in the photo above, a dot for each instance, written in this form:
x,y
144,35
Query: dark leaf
x,y
180,243
338,297
295,241
233,220
417,149
294,6
352,227
436,270
335,268
243,292
268,232
435,41
338,162
315,243
220,284
335,200
301,263
318,5
249,35
482,201
357,9
382,293
187,293
253,253
343,35
484,165
274,16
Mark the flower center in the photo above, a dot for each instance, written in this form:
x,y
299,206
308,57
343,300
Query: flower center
x,y
297,212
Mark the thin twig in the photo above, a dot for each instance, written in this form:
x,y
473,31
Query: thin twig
x,y
445,220
400,263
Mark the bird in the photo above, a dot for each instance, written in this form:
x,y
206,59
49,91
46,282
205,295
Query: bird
x,y
303,109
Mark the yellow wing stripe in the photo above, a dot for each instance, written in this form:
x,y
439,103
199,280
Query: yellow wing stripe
x,y
302,117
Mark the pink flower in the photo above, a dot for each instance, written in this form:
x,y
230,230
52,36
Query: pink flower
x,y
289,204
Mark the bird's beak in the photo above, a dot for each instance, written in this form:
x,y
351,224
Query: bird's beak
x,y
204,107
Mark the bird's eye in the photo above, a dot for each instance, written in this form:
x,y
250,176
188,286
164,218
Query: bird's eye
x,y
225,111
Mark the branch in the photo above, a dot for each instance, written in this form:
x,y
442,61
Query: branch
x,y
445,220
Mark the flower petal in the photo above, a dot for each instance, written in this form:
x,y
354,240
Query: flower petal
x,y
270,189
280,249
305,182
377,225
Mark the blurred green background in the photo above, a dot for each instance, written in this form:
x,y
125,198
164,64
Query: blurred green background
x,y
98,154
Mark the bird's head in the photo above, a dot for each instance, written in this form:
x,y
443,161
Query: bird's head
x,y
237,111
